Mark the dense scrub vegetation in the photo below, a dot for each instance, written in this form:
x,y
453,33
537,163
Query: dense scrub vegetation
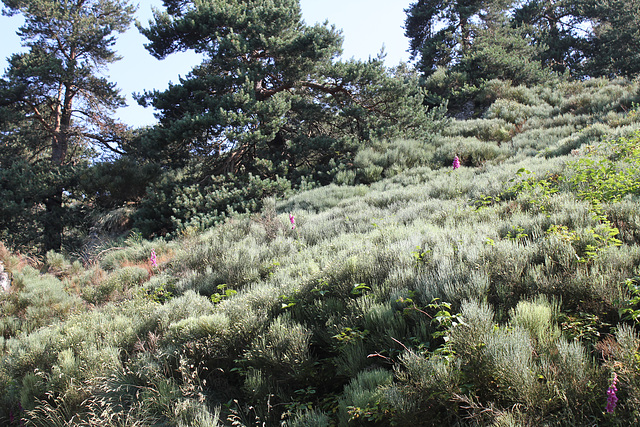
x,y
503,292
305,241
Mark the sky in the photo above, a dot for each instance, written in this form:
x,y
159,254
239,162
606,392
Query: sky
x,y
367,27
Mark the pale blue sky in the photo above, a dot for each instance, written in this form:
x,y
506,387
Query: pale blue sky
x,y
367,26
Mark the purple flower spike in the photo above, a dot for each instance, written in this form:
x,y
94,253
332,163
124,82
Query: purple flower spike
x,y
293,221
612,399
153,258
456,163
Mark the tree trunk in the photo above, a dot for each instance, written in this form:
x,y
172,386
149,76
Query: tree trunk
x,y
59,148
466,35
53,223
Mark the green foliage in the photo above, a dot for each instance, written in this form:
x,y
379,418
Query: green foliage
x,y
226,293
609,172
289,118
614,50
160,294
286,116
176,203
524,41
54,80
631,310
117,182
537,191
362,399
582,326
553,27
360,276
451,88
15,208
36,301
440,31
503,52
498,293
25,189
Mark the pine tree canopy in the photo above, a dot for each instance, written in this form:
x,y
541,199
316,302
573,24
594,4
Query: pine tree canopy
x,y
270,96
57,82
54,103
585,38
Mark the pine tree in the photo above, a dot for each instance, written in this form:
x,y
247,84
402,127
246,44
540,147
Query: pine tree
x,y
441,32
269,89
614,48
269,100
502,51
559,29
56,90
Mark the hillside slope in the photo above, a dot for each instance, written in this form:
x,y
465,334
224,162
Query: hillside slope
x,y
503,292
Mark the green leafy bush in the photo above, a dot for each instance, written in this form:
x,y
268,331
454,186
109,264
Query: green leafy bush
x,y
609,173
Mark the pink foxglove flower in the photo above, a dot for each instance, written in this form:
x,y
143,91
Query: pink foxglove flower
x,y
293,221
456,163
612,399
153,258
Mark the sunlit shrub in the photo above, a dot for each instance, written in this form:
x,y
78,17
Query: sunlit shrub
x,y
188,305
508,355
321,199
536,139
282,350
117,282
590,135
425,390
58,265
471,152
40,300
514,112
363,398
468,337
495,130
191,328
427,296
504,89
538,318
603,95
388,158
310,418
